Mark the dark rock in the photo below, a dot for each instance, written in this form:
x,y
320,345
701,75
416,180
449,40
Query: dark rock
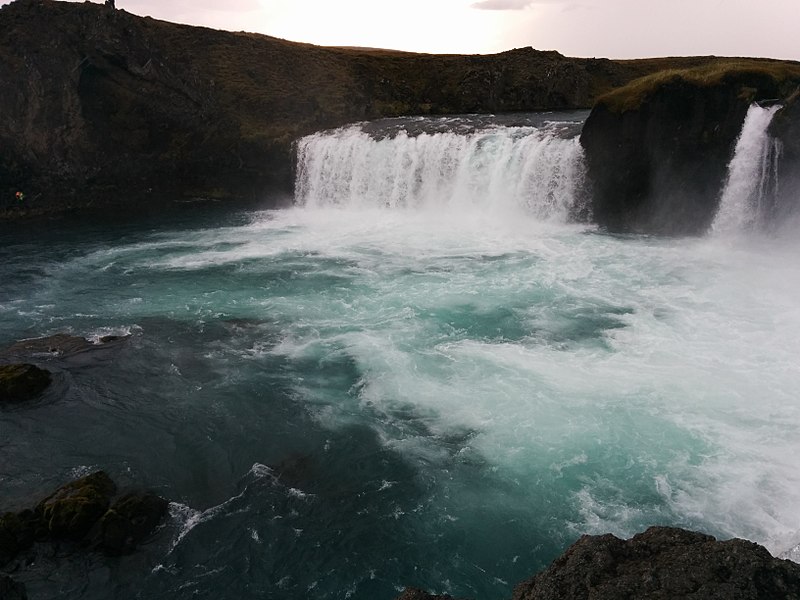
x,y
129,521
64,350
17,533
785,128
57,346
664,563
296,470
658,164
417,594
73,509
11,590
21,382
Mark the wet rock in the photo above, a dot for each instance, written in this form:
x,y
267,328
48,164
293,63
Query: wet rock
x,y
60,345
17,533
73,509
296,470
11,590
417,594
664,563
129,521
785,129
21,382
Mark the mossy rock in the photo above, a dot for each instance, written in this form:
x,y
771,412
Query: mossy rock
x,y
74,508
129,521
22,382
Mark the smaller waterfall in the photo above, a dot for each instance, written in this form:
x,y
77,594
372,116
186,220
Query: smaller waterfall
x,y
752,171
535,170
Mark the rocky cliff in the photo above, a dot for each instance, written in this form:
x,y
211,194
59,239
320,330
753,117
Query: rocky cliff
x,y
103,107
658,149
785,129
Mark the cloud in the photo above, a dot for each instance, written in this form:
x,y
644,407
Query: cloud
x,y
510,4
502,4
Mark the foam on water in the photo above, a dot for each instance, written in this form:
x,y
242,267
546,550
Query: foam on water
x,y
448,371
510,169
665,368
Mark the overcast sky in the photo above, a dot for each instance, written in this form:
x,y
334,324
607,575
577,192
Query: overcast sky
x,y
607,28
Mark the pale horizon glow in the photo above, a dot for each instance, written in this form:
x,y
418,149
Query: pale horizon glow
x,y
581,28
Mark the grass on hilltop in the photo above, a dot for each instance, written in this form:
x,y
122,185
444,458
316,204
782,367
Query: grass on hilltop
x,y
784,75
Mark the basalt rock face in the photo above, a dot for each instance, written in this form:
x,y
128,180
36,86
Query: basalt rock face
x,y
664,563
659,166
785,129
101,107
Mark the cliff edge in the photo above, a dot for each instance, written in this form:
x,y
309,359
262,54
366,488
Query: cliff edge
x,y
658,149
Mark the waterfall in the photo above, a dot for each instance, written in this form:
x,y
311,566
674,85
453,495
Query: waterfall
x,y
752,171
500,168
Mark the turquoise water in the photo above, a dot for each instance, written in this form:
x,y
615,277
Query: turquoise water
x,y
340,401
422,375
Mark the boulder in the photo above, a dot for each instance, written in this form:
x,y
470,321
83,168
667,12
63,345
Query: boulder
x,y
74,508
21,382
664,563
129,521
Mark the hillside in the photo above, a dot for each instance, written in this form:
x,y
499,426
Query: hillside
x,y
104,107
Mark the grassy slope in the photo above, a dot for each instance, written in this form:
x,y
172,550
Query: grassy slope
x,y
702,73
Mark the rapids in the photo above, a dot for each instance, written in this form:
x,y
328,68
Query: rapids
x,y
395,383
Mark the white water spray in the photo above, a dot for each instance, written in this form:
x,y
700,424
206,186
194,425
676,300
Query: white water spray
x,y
502,169
753,166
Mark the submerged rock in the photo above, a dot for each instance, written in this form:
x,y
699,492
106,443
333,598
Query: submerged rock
x,y
21,382
12,590
73,509
664,562
129,521
60,345
417,594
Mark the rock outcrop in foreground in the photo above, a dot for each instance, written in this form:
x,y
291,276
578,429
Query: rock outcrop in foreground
x,y
662,563
87,513
658,149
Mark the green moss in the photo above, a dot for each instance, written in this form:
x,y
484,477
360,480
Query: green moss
x,y
634,94
74,508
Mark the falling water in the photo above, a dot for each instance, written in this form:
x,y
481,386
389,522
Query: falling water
x,y
744,198
499,169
